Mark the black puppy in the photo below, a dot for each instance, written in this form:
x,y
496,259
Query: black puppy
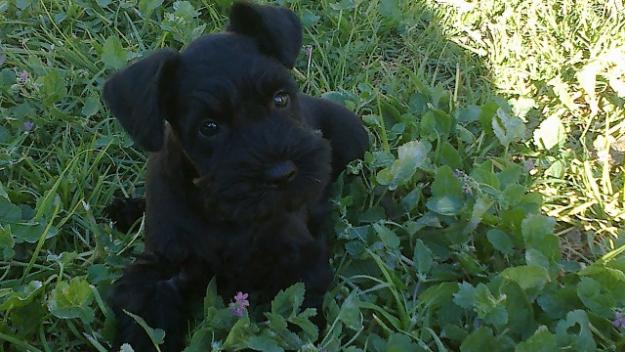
x,y
237,184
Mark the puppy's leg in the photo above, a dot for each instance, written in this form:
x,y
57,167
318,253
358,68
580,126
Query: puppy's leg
x,y
317,277
152,290
124,212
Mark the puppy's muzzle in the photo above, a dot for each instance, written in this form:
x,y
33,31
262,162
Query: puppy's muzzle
x,y
269,168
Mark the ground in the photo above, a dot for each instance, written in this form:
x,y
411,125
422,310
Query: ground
x,y
488,212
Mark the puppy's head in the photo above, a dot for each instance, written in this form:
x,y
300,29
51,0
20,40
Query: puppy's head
x,y
233,108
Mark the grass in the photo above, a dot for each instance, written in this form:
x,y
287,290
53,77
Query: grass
x,y
485,118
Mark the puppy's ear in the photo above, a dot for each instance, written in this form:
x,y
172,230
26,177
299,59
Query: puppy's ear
x,y
276,30
139,95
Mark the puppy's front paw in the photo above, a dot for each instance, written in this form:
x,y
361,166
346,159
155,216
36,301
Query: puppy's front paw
x,y
147,291
124,212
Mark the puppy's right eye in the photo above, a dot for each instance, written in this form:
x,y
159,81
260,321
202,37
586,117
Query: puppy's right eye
x,y
209,128
281,99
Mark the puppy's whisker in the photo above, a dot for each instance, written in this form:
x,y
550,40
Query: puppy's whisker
x,y
314,179
197,181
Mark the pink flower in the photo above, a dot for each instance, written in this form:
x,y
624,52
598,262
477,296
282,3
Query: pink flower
x,y
28,126
619,320
22,77
240,304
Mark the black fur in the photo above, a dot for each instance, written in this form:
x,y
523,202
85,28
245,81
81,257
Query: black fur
x,y
125,212
247,204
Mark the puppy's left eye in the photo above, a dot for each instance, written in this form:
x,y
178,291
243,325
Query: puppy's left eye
x,y
281,99
209,128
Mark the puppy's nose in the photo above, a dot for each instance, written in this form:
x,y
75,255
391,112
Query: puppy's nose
x,y
281,173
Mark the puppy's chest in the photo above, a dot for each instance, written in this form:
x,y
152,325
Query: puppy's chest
x,y
256,244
